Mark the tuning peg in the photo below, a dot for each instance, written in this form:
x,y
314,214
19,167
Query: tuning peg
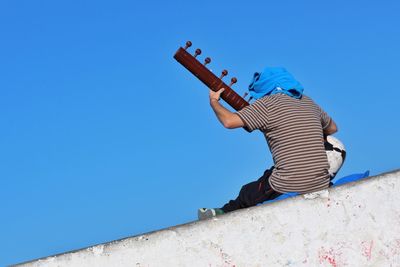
x,y
207,61
233,80
245,94
224,73
188,44
197,52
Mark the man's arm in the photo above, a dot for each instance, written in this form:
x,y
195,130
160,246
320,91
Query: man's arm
x,y
331,128
228,119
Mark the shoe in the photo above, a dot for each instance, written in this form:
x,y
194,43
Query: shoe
x,y
204,213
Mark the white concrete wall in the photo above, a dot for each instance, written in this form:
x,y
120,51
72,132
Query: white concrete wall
x,y
357,224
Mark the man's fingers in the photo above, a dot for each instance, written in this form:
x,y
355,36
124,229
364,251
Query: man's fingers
x,y
216,95
217,92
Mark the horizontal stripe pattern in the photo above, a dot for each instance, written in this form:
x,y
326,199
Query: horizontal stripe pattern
x,y
293,129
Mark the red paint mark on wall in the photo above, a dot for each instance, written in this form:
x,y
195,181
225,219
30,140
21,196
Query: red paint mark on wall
x,y
391,251
367,248
327,255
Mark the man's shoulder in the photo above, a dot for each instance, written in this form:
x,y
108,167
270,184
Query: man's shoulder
x,y
270,98
279,99
308,99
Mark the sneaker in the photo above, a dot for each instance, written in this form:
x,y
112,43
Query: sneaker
x,y
208,213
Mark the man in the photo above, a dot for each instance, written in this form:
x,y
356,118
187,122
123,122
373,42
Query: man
x,y
294,127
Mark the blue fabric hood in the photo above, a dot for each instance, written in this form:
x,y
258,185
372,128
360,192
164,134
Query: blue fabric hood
x,y
273,81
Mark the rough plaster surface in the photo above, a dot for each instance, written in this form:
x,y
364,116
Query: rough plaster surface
x,y
357,224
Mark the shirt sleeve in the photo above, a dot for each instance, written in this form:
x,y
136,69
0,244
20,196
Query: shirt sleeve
x,y
325,119
254,116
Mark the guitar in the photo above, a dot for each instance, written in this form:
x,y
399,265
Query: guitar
x,y
208,78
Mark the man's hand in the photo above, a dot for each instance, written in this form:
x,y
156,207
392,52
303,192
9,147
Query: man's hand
x,y
216,95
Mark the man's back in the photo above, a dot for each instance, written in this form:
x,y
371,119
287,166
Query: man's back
x,y
293,129
293,126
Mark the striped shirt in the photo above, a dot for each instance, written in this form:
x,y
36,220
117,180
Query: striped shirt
x,y
293,130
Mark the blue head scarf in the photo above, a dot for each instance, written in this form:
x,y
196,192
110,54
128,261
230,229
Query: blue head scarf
x,y
273,81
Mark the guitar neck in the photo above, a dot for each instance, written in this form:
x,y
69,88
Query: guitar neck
x,y
209,79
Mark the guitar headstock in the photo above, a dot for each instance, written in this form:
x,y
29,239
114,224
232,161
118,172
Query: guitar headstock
x,y
213,82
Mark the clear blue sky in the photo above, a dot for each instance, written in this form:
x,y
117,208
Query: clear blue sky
x,y
104,135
